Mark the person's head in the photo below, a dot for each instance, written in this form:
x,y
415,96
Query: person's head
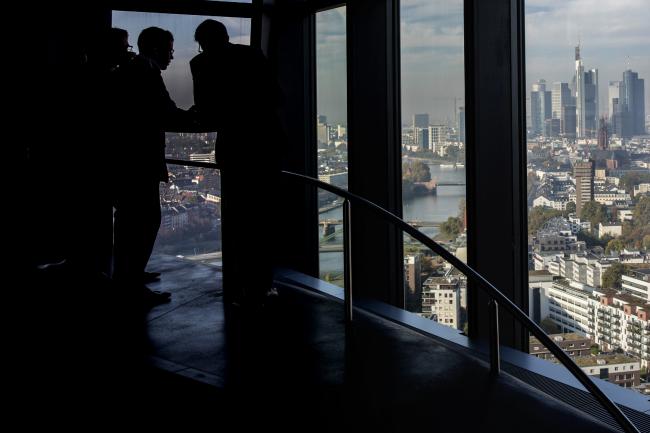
x,y
157,44
118,47
110,48
211,34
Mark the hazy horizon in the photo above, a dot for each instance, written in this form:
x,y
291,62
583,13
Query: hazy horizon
x,y
612,34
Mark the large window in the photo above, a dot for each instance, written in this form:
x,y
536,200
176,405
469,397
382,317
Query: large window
x,y
433,156
191,201
588,204
331,97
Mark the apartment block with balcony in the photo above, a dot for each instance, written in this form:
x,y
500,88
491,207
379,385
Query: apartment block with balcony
x,y
441,301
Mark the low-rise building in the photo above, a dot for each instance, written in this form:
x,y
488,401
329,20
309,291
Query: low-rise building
x,y
573,344
619,369
557,236
553,202
642,188
611,229
637,283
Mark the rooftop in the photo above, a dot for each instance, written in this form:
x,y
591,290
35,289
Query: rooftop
x,y
539,273
626,297
571,336
592,360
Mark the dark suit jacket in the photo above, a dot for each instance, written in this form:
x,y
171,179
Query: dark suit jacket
x,y
237,94
142,112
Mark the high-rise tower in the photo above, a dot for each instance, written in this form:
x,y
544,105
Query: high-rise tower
x,y
580,94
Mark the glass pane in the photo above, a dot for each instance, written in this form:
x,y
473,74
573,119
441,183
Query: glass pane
x,y
588,182
191,201
191,209
433,156
331,97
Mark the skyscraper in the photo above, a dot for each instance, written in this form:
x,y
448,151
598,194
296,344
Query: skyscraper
x,y
632,100
627,105
591,102
540,107
580,94
613,104
421,130
562,99
586,89
583,172
568,120
421,120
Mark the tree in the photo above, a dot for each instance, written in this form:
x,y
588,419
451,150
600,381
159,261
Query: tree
x,y
570,208
538,216
615,245
646,242
641,213
594,212
612,276
594,349
636,231
416,171
630,179
452,227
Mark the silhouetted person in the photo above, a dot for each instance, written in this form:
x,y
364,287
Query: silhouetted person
x,y
144,111
93,221
235,92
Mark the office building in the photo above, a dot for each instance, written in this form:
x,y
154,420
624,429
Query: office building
x,y
583,172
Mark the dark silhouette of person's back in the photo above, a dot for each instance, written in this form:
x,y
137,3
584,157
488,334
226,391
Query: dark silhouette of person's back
x,y
92,242
235,92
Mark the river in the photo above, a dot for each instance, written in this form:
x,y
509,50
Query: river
x,y
437,207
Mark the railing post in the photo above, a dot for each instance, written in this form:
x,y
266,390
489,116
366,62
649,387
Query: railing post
x,y
495,354
347,260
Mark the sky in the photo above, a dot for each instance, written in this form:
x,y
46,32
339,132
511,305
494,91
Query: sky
x,y
331,89
613,34
614,37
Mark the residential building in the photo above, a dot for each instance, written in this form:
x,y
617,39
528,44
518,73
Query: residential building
x,y
441,301
413,283
622,370
573,344
610,229
637,283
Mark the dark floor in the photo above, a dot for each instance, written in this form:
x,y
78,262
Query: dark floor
x,y
295,366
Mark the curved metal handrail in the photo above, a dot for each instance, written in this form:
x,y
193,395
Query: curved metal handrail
x,y
491,291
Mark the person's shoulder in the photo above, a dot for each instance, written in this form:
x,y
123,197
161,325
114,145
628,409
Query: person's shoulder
x,y
139,65
198,59
245,50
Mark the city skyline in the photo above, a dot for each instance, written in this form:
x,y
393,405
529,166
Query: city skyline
x,y
615,39
612,34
